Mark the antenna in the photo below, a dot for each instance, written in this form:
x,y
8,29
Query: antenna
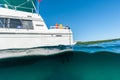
x,y
38,6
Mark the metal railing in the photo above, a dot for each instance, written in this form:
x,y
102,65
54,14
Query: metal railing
x,y
58,27
18,8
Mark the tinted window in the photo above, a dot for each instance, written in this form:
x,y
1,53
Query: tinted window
x,y
2,24
27,24
15,23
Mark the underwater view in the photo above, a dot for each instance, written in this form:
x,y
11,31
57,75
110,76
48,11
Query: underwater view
x,y
29,23
83,62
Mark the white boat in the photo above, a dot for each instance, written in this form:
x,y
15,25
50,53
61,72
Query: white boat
x,y
22,29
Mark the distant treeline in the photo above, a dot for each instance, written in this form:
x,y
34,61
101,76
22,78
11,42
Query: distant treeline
x,y
96,42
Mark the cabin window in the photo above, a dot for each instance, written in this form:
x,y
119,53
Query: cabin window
x,y
3,22
15,23
27,24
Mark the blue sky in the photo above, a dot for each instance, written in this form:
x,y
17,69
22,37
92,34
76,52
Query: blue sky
x,y
88,19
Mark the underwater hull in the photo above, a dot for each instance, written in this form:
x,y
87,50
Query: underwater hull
x,y
11,41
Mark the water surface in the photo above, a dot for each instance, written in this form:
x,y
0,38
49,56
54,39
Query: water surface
x,y
84,62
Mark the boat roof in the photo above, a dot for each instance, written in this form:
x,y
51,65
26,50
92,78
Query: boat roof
x,y
10,13
19,10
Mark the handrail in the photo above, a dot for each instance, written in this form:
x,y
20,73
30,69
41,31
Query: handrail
x,y
63,27
17,7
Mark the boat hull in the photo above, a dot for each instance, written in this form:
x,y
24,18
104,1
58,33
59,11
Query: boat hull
x,y
11,41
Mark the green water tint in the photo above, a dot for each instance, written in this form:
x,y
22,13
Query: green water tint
x,y
65,66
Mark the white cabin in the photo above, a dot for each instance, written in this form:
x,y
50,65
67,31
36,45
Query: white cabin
x,y
19,29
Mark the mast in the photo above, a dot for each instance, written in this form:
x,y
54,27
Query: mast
x,y
38,6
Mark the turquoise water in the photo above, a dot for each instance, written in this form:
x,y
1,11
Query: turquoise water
x,y
85,62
